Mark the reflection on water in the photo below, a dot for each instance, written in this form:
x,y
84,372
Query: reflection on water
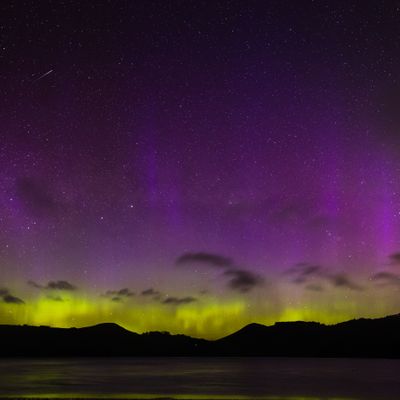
x,y
201,378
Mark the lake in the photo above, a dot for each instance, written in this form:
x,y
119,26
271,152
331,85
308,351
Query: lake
x,y
201,378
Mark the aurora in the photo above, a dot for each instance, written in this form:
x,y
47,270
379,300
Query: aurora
x,y
208,317
200,169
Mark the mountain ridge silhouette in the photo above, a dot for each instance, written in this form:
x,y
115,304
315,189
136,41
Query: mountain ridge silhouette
x,y
354,338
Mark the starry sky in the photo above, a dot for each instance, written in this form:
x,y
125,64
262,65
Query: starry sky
x,y
194,166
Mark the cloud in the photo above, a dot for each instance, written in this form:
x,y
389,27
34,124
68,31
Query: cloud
x,y
238,279
36,197
303,273
60,285
386,278
394,259
213,260
35,285
8,298
342,280
55,298
314,288
118,296
242,280
125,292
168,300
54,285
150,292
179,300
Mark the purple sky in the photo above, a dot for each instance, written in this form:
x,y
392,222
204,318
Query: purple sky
x,y
256,141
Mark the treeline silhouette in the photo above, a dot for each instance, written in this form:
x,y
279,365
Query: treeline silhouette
x,y
355,338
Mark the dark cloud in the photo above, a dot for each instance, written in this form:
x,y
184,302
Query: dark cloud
x,y
310,270
395,258
299,280
60,285
36,197
242,280
7,297
125,292
150,292
314,288
238,279
179,300
303,273
164,299
214,260
55,298
35,285
54,285
343,281
386,278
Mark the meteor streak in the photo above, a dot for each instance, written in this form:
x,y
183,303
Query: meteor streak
x,y
42,76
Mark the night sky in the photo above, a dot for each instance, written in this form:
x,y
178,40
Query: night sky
x,y
193,166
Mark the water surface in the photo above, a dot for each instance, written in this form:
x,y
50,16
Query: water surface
x,y
201,378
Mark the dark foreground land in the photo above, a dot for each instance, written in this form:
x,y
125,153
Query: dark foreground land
x,y
367,338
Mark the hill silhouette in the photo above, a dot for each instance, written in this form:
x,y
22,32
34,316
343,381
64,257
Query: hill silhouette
x,y
355,338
